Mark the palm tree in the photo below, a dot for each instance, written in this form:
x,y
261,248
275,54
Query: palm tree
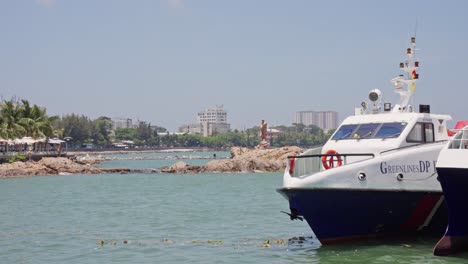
x,y
10,115
35,122
19,119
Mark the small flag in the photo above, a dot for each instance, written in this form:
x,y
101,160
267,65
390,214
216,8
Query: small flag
x,y
413,86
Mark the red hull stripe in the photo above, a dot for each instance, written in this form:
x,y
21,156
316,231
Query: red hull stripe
x,y
421,212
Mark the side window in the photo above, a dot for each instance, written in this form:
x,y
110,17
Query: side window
x,y
429,132
421,133
416,134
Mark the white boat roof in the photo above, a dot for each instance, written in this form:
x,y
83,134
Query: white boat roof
x,y
393,117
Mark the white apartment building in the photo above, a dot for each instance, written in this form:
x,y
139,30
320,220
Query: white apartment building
x,y
208,128
213,115
213,120
326,120
209,122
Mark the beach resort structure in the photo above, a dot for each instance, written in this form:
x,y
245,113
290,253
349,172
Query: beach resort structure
x,y
31,147
210,121
326,120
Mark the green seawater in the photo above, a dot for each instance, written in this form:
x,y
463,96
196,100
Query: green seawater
x,y
172,218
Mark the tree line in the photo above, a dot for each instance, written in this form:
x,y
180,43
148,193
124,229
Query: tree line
x,y
18,118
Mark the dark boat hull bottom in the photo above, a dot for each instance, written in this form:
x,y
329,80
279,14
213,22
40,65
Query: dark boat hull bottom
x,y
338,215
454,183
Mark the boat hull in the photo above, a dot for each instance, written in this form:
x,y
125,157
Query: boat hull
x,y
454,182
337,215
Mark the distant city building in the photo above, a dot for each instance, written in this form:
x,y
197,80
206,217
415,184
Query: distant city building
x,y
326,120
190,129
209,128
139,123
212,121
163,134
209,122
126,123
121,123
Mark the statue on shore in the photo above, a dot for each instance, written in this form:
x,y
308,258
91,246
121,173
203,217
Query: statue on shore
x,y
263,135
263,130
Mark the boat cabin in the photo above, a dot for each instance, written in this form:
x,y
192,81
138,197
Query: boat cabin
x,y
385,131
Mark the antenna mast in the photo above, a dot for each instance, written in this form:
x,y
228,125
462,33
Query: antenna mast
x,y
405,86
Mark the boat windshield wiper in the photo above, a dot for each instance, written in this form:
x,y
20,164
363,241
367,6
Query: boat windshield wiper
x,y
367,134
392,136
344,136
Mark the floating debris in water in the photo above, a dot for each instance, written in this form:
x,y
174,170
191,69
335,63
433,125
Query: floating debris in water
x,y
207,241
167,241
215,242
280,242
102,243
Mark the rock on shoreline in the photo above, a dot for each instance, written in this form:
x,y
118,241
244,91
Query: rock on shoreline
x,y
242,160
52,166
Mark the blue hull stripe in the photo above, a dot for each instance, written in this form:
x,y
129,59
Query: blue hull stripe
x,y
336,214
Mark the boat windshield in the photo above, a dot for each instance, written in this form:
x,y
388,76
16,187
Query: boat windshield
x,y
370,130
345,131
365,130
390,130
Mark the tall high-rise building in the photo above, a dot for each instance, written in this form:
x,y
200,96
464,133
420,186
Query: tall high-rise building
x,y
326,120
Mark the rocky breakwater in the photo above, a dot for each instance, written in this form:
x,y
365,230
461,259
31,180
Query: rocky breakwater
x,y
242,160
53,166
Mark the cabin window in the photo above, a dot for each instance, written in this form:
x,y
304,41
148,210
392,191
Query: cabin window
x,y
416,134
390,130
456,141
421,133
365,130
460,140
344,132
429,132
371,130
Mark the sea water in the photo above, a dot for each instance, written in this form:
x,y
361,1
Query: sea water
x,y
172,218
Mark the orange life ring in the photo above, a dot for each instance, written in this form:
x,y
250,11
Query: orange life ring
x,y
329,161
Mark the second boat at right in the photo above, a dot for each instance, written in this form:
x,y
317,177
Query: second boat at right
x,y
452,170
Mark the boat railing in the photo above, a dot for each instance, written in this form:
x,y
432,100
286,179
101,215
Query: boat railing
x,y
309,164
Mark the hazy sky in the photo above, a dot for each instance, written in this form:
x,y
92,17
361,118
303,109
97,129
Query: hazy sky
x,y
163,61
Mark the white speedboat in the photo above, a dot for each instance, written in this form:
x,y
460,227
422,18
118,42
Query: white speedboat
x,y
452,170
376,175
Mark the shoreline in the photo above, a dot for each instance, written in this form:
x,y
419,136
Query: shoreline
x,y
137,151
242,160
